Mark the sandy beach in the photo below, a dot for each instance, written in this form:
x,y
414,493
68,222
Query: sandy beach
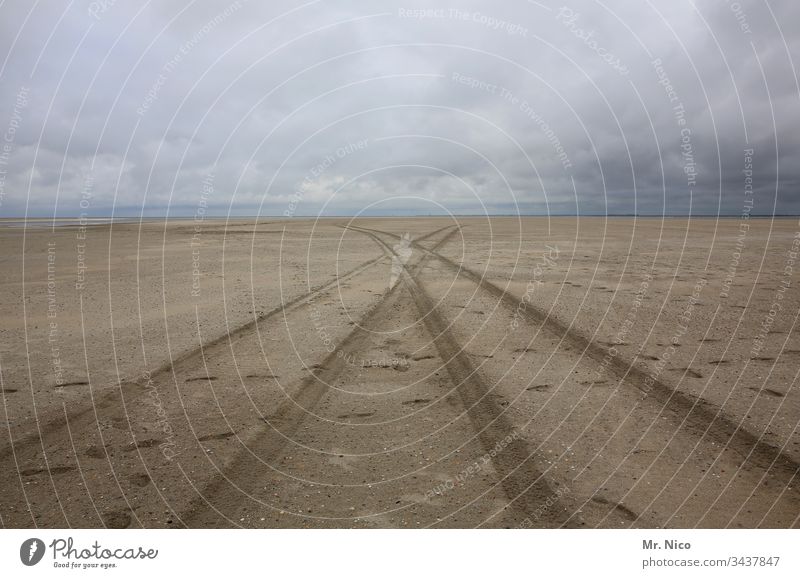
x,y
504,372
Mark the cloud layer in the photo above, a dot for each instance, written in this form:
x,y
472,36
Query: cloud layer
x,y
380,107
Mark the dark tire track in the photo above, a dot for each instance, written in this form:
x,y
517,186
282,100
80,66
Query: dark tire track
x,y
703,418
518,466
131,422
130,390
234,483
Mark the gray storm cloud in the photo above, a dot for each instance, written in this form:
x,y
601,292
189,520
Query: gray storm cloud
x,y
325,107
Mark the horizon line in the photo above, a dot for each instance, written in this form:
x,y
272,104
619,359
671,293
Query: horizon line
x,y
385,215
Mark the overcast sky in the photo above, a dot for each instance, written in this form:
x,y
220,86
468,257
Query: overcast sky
x,y
395,107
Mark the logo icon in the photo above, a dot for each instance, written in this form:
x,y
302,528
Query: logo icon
x,y
31,552
402,253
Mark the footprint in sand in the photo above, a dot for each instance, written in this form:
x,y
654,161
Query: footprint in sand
x,y
116,520
140,480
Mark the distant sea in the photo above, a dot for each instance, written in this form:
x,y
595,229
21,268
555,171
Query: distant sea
x,y
48,223
38,223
